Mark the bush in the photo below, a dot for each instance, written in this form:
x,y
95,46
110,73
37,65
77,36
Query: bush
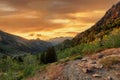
x,y
11,69
82,49
29,70
9,75
109,41
113,40
30,65
30,60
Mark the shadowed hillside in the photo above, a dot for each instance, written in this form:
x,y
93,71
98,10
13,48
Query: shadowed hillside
x,y
11,44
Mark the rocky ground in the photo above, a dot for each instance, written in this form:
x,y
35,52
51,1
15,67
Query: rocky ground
x,y
88,68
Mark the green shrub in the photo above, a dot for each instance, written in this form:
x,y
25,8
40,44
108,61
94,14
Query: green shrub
x,y
9,75
70,52
12,69
30,65
90,48
113,40
109,41
30,60
29,71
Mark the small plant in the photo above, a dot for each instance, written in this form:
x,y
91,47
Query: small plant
x,y
91,48
70,52
13,69
29,71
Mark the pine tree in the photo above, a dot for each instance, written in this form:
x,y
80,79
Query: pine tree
x,y
51,55
43,58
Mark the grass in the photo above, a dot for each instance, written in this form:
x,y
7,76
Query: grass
x,y
80,50
11,69
70,52
73,57
113,40
109,41
109,61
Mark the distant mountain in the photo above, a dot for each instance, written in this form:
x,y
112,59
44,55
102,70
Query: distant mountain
x,y
104,26
11,45
58,40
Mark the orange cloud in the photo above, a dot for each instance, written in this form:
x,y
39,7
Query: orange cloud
x,y
46,19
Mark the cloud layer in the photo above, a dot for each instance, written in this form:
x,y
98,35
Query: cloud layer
x,y
50,18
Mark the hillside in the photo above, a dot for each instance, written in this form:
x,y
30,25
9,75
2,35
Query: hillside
x,y
58,40
11,44
91,55
87,59
92,67
104,26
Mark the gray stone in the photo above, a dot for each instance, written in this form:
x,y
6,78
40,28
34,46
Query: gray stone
x,y
84,59
96,75
93,62
99,55
109,78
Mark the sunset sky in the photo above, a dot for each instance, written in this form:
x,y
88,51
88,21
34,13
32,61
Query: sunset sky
x,y
46,19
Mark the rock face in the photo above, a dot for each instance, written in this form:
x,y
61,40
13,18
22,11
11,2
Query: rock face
x,y
104,26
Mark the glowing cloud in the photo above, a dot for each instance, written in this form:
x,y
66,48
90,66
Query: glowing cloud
x,y
46,19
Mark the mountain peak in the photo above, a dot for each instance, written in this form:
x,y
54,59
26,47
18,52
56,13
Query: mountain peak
x,y
118,3
58,40
104,26
114,11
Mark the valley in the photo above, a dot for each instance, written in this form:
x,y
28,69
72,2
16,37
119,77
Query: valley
x,y
93,54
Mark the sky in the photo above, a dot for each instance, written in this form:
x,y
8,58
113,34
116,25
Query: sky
x,y
47,19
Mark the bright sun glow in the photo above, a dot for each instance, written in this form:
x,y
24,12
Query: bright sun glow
x,y
47,19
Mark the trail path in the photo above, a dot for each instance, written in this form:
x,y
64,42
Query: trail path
x,y
87,68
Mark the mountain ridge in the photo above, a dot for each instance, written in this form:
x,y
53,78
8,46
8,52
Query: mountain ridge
x,y
58,40
10,43
104,26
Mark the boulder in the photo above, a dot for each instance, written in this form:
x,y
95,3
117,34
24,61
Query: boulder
x,y
98,66
84,59
109,78
100,55
96,75
118,73
86,70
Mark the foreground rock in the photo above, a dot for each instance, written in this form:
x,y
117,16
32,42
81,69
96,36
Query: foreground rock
x,y
96,75
84,69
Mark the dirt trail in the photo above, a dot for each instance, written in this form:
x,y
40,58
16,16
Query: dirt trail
x,y
87,68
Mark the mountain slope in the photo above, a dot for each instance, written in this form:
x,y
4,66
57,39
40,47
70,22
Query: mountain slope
x,y
10,44
88,68
103,27
58,40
